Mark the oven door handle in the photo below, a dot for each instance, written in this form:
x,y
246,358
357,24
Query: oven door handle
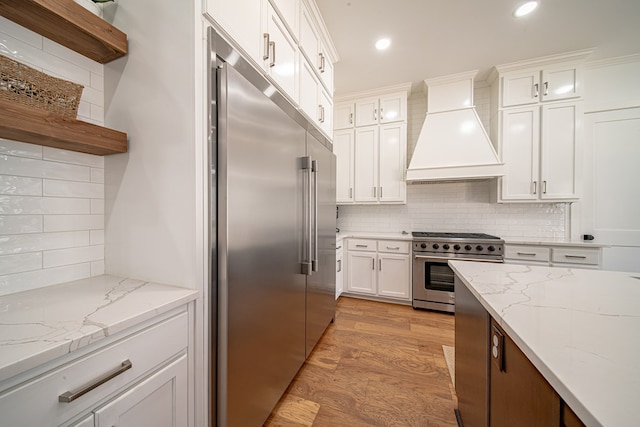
x,y
436,258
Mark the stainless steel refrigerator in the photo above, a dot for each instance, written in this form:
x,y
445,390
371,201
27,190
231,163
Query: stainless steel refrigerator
x,y
272,239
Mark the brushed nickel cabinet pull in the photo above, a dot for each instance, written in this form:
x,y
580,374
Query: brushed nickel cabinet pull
x,y
380,264
373,263
544,187
362,246
535,187
576,256
350,118
273,51
546,89
526,254
381,114
70,396
536,90
265,56
394,247
375,190
339,266
375,112
351,192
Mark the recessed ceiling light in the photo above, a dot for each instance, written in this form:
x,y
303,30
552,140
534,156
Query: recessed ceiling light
x,y
525,8
382,44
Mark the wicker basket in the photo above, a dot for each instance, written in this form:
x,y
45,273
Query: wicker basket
x,y
28,86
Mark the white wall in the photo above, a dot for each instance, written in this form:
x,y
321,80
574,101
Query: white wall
x,y
455,206
51,200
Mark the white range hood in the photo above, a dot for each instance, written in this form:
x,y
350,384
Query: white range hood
x,y
453,144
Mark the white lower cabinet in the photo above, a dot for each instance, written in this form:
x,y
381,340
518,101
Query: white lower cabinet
x,y
553,255
378,268
139,379
339,270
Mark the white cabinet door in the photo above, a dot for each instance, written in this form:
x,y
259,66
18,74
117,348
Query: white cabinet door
x,y
393,108
159,401
309,91
87,421
520,144
339,273
289,11
326,112
559,151
361,272
309,39
366,164
242,20
520,88
560,83
343,115
343,147
393,276
367,112
282,54
392,155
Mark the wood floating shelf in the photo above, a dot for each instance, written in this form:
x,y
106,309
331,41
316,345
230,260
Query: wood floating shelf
x,y
71,25
26,124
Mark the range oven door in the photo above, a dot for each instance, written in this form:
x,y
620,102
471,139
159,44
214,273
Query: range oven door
x,y
433,281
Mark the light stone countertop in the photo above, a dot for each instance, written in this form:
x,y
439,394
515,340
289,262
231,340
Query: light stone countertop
x,y
40,325
579,328
372,235
553,242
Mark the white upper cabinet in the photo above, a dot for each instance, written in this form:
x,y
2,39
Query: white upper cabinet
x,y
385,109
366,164
533,86
392,163
242,21
309,38
314,101
280,55
344,114
343,148
290,12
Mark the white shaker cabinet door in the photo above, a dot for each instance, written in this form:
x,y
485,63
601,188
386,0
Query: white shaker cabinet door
x,y
366,164
343,147
289,10
326,112
367,112
521,88
159,401
392,154
309,39
520,153
361,273
560,83
560,154
343,115
281,55
242,20
309,87
393,276
393,108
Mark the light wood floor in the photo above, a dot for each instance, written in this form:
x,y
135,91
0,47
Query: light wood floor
x,y
379,364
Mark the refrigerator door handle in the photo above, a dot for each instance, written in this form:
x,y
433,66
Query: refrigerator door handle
x,y
307,265
314,259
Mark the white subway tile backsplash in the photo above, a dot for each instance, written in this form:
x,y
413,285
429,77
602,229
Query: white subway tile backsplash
x,y
29,205
72,157
73,222
51,200
19,282
20,243
10,264
52,187
19,224
20,166
20,149
60,257
20,186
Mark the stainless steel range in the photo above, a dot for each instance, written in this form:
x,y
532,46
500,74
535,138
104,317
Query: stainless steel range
x,y
432,276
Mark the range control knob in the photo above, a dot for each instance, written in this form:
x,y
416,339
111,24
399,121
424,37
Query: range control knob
x,y
491,248
435,246
456,247
423,245
479,248
467,247
445,247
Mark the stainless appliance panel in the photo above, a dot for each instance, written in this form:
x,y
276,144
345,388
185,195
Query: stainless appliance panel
x,y
260,226
321,284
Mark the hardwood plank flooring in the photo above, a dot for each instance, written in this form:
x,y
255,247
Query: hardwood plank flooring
x,y
378,364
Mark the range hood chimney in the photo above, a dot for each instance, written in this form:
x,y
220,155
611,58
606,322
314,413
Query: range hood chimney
x,y
453,144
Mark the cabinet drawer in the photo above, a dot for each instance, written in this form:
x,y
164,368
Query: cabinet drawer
x,y
393,246
361,245
527,253
35,403
575,256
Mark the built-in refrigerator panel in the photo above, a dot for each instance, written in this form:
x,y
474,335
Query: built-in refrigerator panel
x,y
272,239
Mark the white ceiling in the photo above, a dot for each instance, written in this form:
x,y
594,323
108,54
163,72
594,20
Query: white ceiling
x,y
432,38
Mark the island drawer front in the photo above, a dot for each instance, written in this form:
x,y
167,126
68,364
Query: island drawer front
x,y
576,255
394,246
35,402
527,253
361,245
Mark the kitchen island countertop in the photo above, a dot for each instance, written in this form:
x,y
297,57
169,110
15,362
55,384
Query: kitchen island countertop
x,y
40,325
579,328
